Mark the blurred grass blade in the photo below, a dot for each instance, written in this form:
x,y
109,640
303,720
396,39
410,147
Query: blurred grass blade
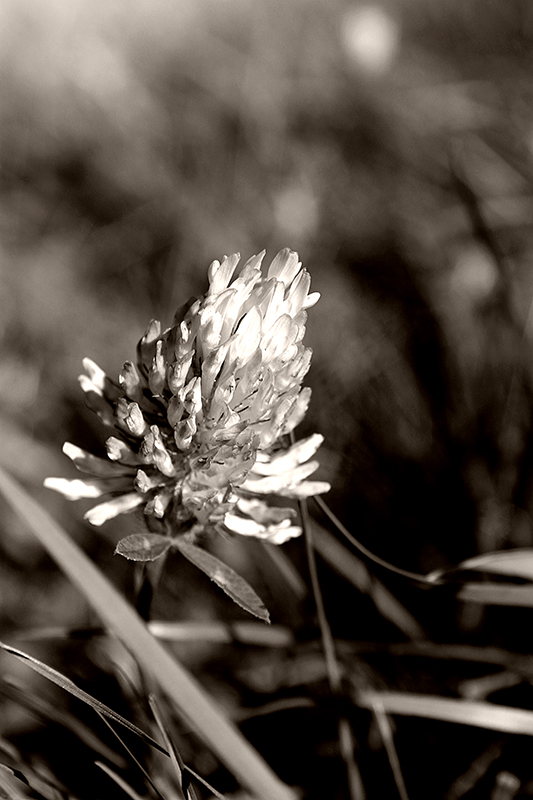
x,y
175,756
65,683
485,593
119,781
193,703
476,770
8,784
253,633
41,788
517,563
513,563
177,761
17,774
242,631
463,712
135,760
385,731
497,594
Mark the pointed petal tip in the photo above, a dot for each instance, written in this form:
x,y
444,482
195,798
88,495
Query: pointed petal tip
x,y
311,300
89,365
285,266
72,451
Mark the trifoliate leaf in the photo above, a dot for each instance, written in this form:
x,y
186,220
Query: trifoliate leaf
x,y
143,546
226,578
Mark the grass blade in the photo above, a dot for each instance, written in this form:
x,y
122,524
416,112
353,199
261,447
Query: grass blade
x,y
119,781
175,757
65,683
497,594
463,712
253,633
384,728
136,761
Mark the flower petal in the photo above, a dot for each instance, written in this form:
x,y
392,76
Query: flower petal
x,y
263,513
275,484
220,274
87,462
247,338
243,525
276,534
130,381
279,535
287,460
75,489
284,266
117,450
132,417
96,375
146,347
118,505
305,489
153,451
311,300
158,371
96,400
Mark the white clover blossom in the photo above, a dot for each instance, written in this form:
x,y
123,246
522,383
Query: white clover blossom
x,y
198,419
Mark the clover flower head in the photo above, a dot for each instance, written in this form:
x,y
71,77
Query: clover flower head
x,y
199,417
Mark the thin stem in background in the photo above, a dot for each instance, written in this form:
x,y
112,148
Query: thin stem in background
x,y
346,740
476,771
384,728
411,576
329,648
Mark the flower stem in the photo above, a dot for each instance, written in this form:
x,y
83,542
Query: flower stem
x,y
346,740
149,578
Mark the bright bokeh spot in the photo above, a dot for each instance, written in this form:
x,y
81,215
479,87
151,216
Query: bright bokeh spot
x,y
370,38
474,275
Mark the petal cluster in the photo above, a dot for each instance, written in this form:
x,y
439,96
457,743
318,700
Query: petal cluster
x,y
198,418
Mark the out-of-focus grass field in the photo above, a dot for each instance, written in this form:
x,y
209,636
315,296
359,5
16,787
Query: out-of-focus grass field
x,y
391,144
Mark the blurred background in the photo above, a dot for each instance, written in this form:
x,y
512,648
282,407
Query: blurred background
x,y
391,145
